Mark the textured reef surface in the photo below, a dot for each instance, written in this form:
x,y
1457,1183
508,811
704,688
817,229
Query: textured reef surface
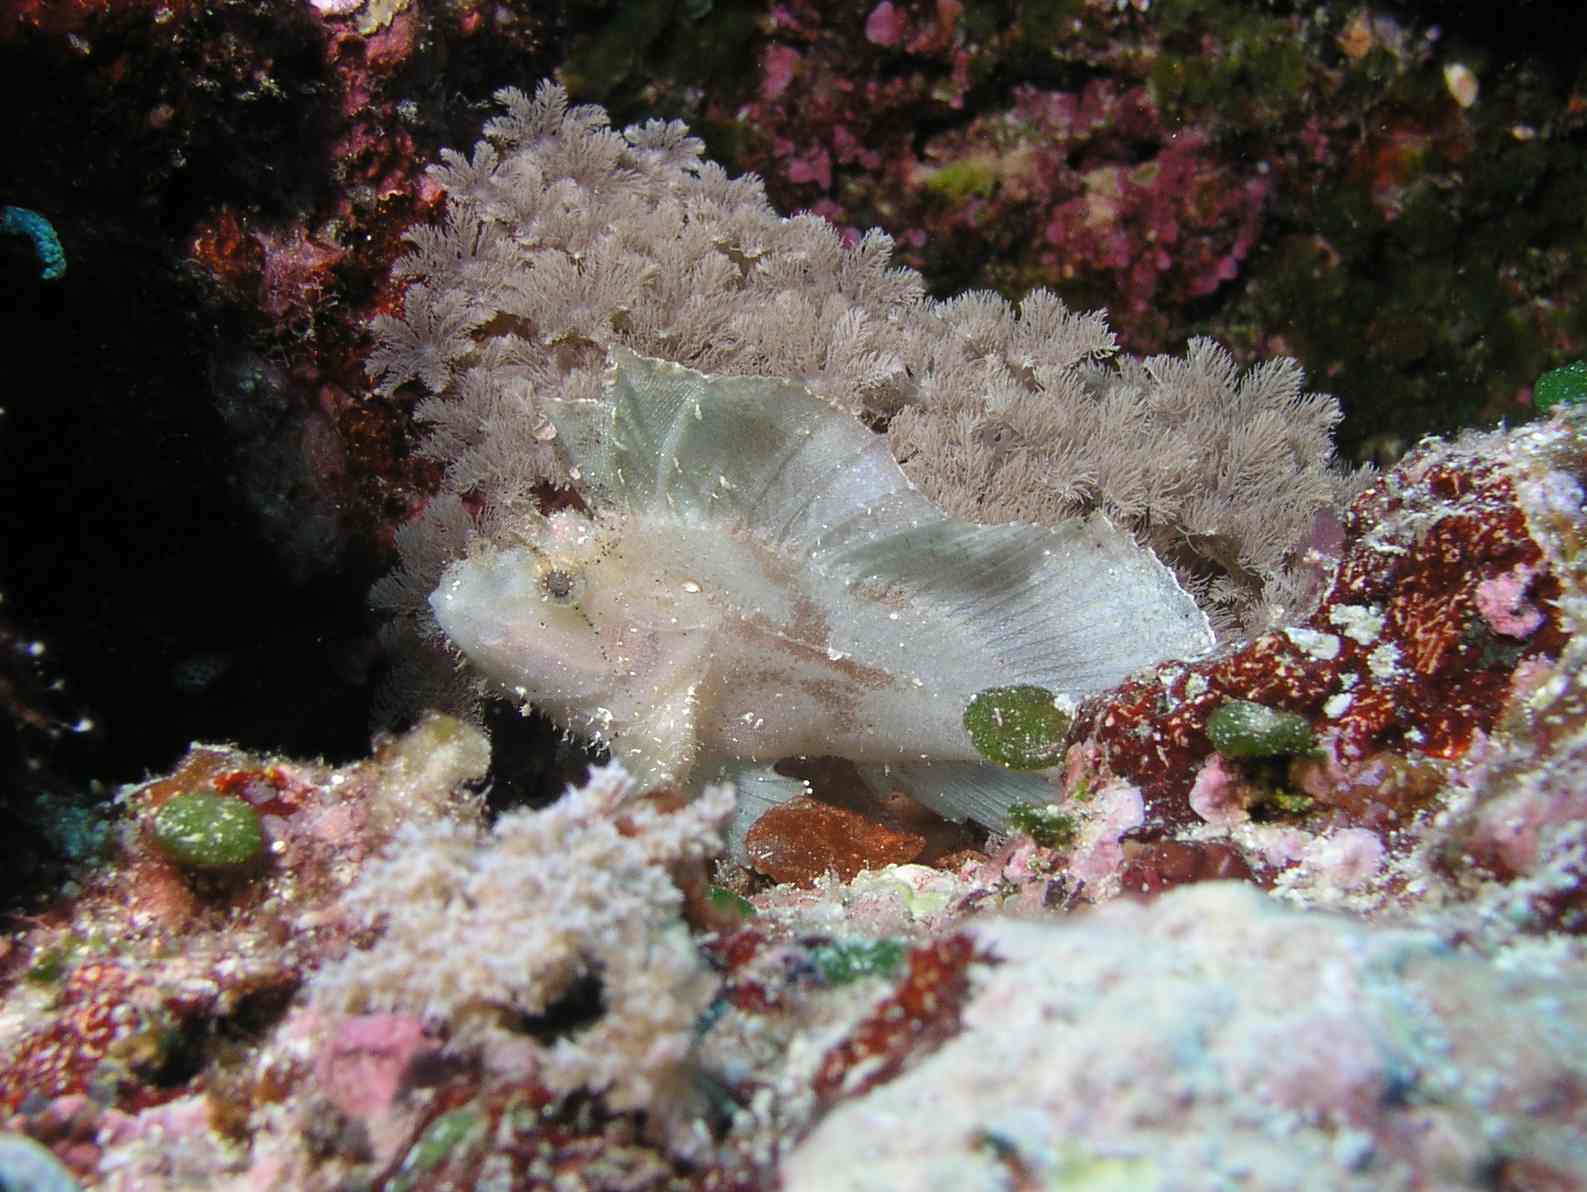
x,y
1341,949
1290,896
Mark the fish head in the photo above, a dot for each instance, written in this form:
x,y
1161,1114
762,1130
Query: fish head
x,y
522,613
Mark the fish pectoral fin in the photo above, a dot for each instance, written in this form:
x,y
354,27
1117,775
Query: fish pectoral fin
x,y
960,790
659,747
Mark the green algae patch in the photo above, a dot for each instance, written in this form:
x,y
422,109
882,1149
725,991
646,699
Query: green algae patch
x,y
1046,825
1286,802
1019,728
451,1136
960,181
52,964
727,902
1566,385
1241,729
1079,1171
842,962
207,831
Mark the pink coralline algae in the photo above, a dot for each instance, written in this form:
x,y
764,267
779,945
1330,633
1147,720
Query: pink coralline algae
x,y
1122,202
367,1061
1504,604
821,91
1402,651
886,25
190,952
1439,658
1181,221
317,277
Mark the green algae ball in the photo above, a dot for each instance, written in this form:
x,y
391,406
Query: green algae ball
x,y
842,962
207,830
1243,729
1567,384
730,903
1047,826
1021,728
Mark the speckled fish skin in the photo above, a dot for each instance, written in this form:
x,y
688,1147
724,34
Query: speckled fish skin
x,y
761,581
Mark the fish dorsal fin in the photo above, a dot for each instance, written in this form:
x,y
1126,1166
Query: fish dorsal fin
x,y
1074,607
760,455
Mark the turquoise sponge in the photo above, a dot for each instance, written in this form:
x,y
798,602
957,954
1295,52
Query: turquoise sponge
x,y
19,221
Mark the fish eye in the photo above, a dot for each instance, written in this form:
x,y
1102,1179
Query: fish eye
x,y
559,585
